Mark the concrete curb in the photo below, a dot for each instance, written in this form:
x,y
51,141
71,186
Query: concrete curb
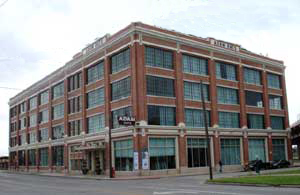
x,y
253,185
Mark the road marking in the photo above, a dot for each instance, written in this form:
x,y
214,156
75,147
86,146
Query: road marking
x,y
175,192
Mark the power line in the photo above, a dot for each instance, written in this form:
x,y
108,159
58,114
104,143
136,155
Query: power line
x,y
10,88
3,3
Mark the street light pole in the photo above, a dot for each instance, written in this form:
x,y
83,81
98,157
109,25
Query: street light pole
x,y
206,131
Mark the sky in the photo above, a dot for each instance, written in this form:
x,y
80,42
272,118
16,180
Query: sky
x,y
39,36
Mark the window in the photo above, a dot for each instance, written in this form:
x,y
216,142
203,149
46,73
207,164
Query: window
x,y
192,91
74,128
197,152
229,120
13,111
159,58
95,98
227,95
123,155
257,149
74,82
21,157
32,120
44,135
22,122
252,76
160,86
44,116
13,127
31,159
254,99
225,71
57,132
255,121
161,115
23,139
95,72
44,97
58,155
194,65
120,61
274,81
277,122
76,164
120,112
58,90
22,107
275,102
278,149
58,111
32,103
120,89
162,153
195,118
230,151
96,123
43,157
75,105
32,137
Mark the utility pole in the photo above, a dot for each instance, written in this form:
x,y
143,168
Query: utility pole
x,y
109,147
206,132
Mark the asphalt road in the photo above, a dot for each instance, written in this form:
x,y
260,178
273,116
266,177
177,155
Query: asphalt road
x,y
14,184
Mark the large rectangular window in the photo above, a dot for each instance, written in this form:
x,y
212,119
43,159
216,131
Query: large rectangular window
x,y
121,89
21,158
58,132
159,86
74,81
227,95
32,137
162,153
31,159
194,65
159,58
254,98
229,120
278,149
58,155
95,72
43,157
96,123
274,81
161,115
44,135
252,76
123,155
120,112
195,117
255,121
43,116
44,97
226,71
192,91
275,102
257,149
22,123
58,90
23,107
32,103
95,98
120,61
75,105
74,128
277,122
58,111
197,152
230,151
32,120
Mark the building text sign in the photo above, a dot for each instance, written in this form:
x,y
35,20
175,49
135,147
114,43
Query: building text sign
x,y
126,120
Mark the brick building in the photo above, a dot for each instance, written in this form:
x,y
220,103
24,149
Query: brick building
x,y
61,123
295,134
3,162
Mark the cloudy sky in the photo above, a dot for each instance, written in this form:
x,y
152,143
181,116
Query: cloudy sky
x,y
38,36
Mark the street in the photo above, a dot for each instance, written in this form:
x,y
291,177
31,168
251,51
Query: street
x,y
34,184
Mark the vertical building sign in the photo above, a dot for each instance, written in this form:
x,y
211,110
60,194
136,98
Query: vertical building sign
x,y
135,160
145,159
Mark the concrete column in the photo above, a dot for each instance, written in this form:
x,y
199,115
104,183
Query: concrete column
x,y
270,147
266,100
243,114
213,93
26,160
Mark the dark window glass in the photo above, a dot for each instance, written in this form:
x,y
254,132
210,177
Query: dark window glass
x,y
121,89
120,112
227,95
95,72
74,82
197,152
254,98
274,81
230,151
159,86
226,71
123,155
277,122
255,121
57,132
161,115
74,128
194,65
195,118
229,120
192,91
159,58
31,159
120,61
75,105
43,156
58,155
252,76
278,149
275,102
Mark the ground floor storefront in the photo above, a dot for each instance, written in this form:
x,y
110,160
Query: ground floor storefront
x,y
152,151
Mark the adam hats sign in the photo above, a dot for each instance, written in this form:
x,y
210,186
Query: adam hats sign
x,y
126,120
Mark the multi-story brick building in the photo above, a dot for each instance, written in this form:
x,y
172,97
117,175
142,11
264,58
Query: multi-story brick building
x,y
154,75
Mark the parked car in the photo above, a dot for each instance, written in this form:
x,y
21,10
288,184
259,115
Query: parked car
x,y
254,163
280,164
